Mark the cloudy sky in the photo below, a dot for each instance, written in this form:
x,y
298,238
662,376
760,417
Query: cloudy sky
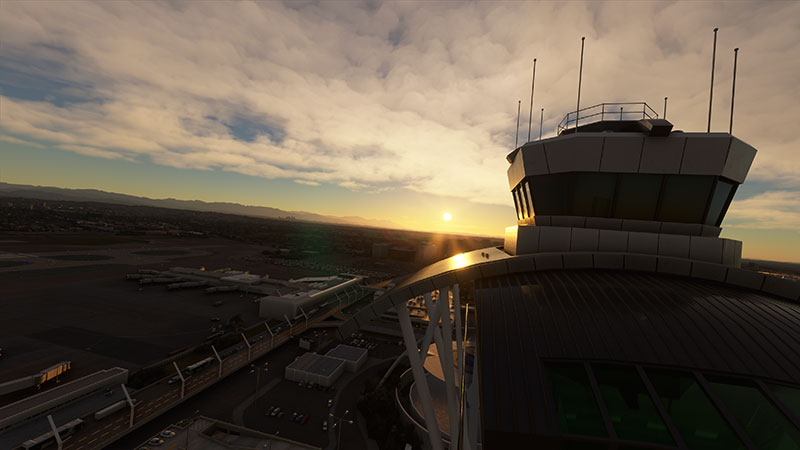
x,y
392,111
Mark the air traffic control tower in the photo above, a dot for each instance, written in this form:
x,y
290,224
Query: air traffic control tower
x,y
621,182
614,316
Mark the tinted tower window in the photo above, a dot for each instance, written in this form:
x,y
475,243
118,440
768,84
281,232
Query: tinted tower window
x,y
721,194
684,198
637,197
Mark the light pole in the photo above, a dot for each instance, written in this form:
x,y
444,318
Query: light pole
x,y
258,376
338,423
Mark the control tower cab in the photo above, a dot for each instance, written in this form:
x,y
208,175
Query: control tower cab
x,y
618,180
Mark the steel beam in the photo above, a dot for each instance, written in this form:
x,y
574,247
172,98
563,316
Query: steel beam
x,y
424,391
55,432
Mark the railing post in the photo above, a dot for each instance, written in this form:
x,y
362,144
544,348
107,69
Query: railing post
x,y
248,346
219,360
272,336
180,375
130,403
602,111
620,113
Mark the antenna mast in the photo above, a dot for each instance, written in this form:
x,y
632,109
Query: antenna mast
x,y
541,119
711,94
733,88
580,77
665,107
516,136
530,113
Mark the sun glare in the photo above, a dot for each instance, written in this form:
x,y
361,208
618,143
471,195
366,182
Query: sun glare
x,y
447,217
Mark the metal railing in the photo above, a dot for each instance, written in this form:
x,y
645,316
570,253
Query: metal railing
x,y
606,111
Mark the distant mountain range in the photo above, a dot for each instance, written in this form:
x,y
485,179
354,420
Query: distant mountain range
x,y
93,195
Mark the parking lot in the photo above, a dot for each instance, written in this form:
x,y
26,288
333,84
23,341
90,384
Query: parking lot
x,y
294,401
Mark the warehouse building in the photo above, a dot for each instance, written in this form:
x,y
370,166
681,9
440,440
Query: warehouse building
x,y
314,368
353,357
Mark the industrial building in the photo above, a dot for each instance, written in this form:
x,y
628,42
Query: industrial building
x,y
353,357
614,316
314,368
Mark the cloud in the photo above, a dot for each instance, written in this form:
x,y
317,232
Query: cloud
x,y
774,210
14,140
307,182
413,95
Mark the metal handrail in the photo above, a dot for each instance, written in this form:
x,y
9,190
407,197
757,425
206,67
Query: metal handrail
x,y
607,111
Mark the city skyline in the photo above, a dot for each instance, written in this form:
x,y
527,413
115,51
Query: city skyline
x,y
397,112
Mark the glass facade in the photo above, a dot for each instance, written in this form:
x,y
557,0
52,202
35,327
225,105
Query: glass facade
x,y
576,405
788,396
630,408
695,417
757,416
666,198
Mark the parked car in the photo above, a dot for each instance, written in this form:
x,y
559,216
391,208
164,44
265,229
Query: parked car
x,y
294,416
281,414
330,402
275,411
167,434
325,425
269,411
155,442
304,419
298,418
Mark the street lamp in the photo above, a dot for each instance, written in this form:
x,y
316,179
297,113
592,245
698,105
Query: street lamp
x,y
338,423
258,375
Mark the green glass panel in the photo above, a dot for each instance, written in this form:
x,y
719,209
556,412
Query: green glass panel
x,y
637,196
684,198
695,417
789,398
630,408
576,407
757,416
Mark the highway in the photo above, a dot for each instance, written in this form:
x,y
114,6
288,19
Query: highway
x,y
160,397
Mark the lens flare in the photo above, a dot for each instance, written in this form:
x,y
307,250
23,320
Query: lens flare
x,y
447,217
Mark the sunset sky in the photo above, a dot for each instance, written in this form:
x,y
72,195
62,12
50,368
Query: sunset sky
x,y
391,111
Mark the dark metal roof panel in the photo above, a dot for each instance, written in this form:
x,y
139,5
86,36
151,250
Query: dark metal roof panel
x,y
633,317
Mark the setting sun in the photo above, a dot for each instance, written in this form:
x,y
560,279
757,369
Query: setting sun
x,y
447,216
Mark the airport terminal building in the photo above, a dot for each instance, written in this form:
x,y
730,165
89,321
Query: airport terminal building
x,y
614,316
